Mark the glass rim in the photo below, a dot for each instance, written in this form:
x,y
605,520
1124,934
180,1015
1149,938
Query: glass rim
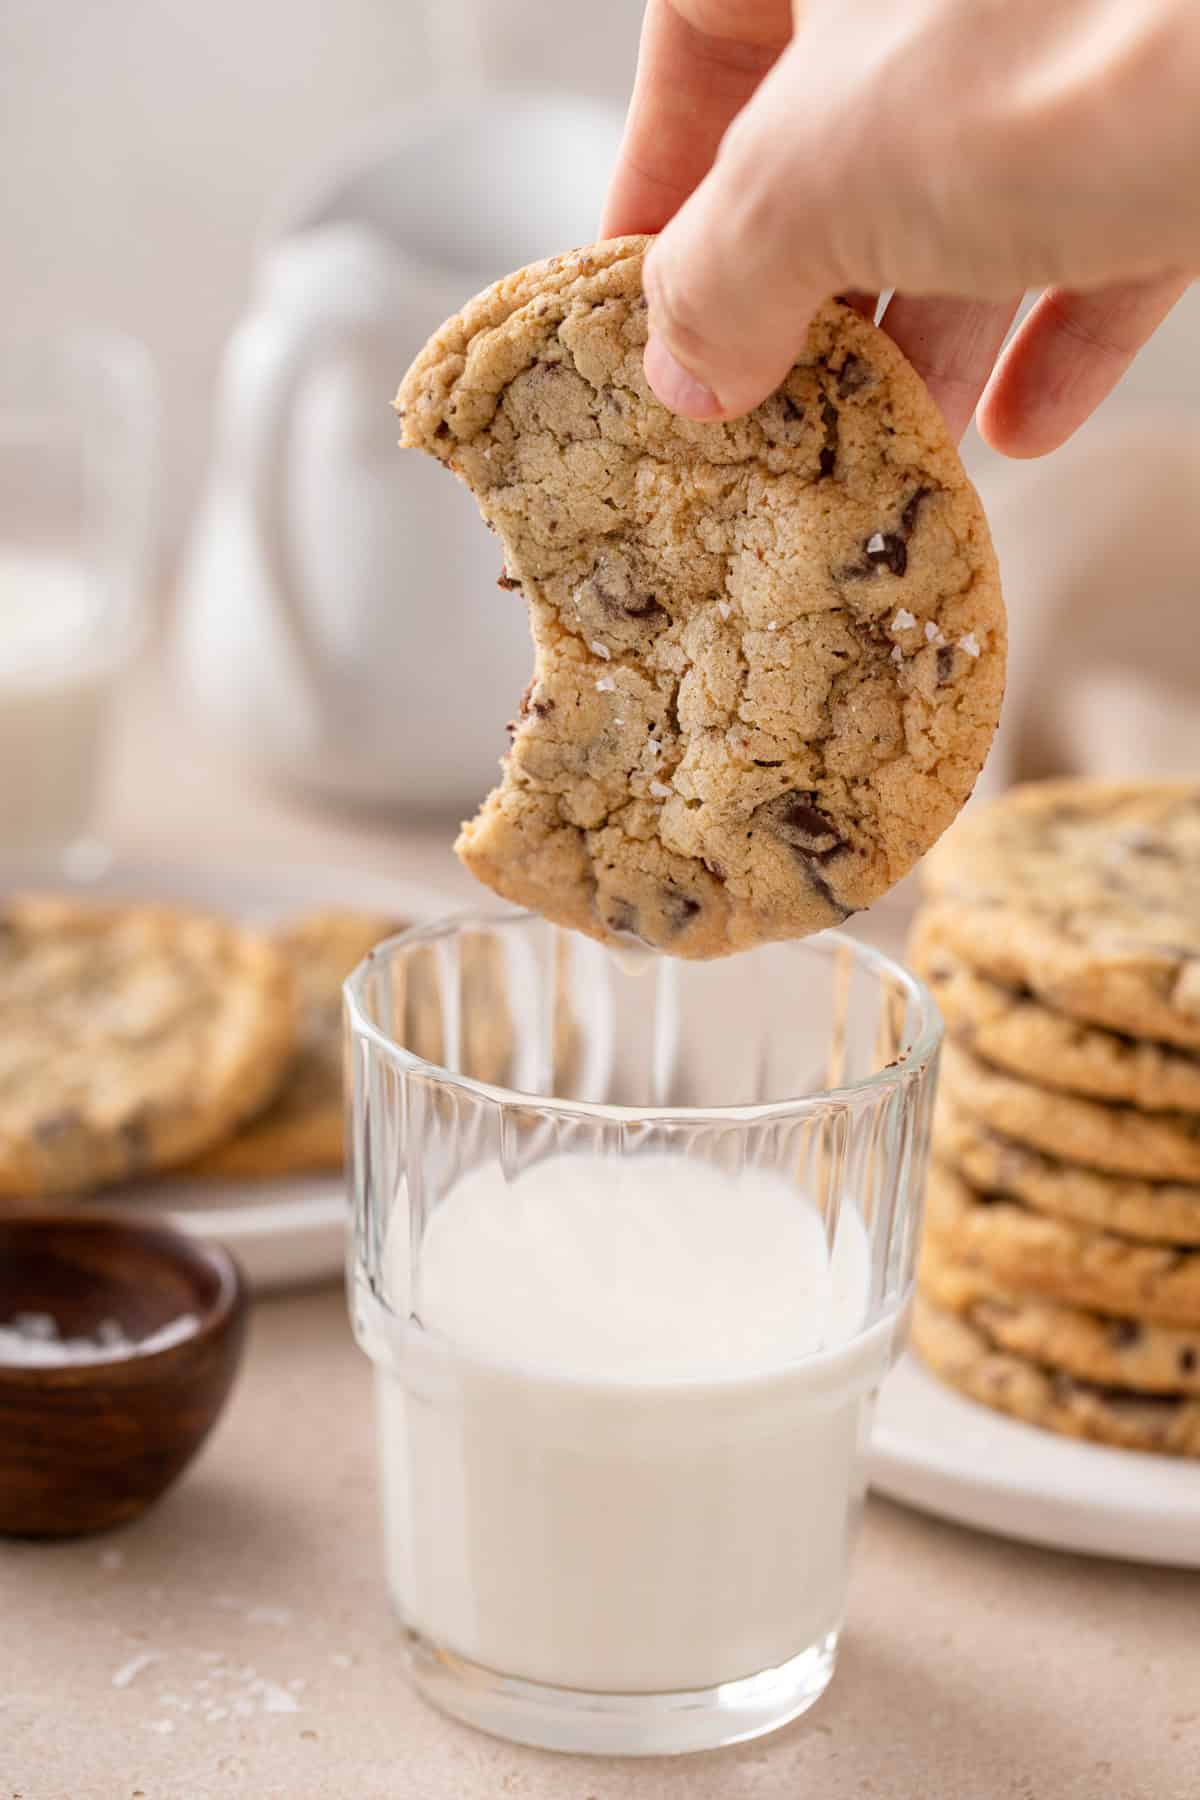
x,y
915,1061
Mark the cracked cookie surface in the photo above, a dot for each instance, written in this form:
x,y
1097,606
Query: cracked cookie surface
x,y
962,1355
1116,1139
134,1036
1118,1352
1071,1263
769,654
1161,1212
302,1129
1013,1030
1088,894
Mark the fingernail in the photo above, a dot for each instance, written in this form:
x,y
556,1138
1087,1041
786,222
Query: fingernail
x,y
678,390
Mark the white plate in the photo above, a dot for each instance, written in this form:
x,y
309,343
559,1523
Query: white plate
x,y
285,1233
938,1451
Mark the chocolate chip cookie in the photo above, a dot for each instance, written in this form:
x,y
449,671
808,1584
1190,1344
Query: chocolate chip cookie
x,y
133,1037
1063,1261
1097,1347
962,1355
1088,894
1161,1212
1119,1140
1014,1031
769,654
302,1128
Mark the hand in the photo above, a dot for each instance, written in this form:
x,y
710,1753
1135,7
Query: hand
x,y
959,152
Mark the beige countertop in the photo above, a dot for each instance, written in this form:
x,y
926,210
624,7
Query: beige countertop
x,y
238,1640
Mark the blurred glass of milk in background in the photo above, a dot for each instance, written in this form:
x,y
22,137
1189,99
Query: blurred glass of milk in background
x,y
78,426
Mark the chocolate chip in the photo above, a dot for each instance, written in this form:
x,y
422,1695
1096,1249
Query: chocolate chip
x,y
912,507
611,586
543,707
798,820
1155,848
947,662
782,419
888,549
51,1130
135,1135
1123,1332
443,429
679,907
645,608
827,460
622,916
853,376
821,886
507,581
1188,1360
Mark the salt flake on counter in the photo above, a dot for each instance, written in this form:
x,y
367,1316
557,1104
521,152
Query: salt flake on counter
x,y
276,1699
129,1671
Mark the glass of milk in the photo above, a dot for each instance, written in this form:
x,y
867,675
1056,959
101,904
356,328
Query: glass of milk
x,y
634,1248
77,452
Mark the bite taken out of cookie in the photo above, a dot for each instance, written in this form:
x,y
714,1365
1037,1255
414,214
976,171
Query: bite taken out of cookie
x,y
769,654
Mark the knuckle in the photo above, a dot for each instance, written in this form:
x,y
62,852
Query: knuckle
x,y
677,298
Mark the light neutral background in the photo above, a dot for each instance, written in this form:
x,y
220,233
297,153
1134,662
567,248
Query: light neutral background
x,y
144,142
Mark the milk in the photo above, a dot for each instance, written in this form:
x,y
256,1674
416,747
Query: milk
x,y
622,1446
55,679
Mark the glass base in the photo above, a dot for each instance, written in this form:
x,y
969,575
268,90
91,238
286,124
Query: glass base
x,y
552,1718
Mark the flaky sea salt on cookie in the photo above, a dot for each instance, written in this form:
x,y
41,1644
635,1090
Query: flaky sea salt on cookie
x,y
769,654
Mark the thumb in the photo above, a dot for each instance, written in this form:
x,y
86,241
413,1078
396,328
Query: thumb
x,y
733,281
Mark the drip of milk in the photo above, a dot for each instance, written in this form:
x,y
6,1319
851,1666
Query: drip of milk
x,y
55,680
622,1436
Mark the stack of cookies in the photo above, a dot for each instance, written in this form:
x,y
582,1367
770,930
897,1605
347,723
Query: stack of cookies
x,y
1060,1280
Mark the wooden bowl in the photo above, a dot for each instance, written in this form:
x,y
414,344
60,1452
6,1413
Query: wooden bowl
x,y
87,1445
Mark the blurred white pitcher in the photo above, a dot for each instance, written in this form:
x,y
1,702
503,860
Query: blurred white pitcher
x,y
340,621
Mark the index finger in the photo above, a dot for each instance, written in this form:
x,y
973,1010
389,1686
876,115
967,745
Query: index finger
x,y
699,63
